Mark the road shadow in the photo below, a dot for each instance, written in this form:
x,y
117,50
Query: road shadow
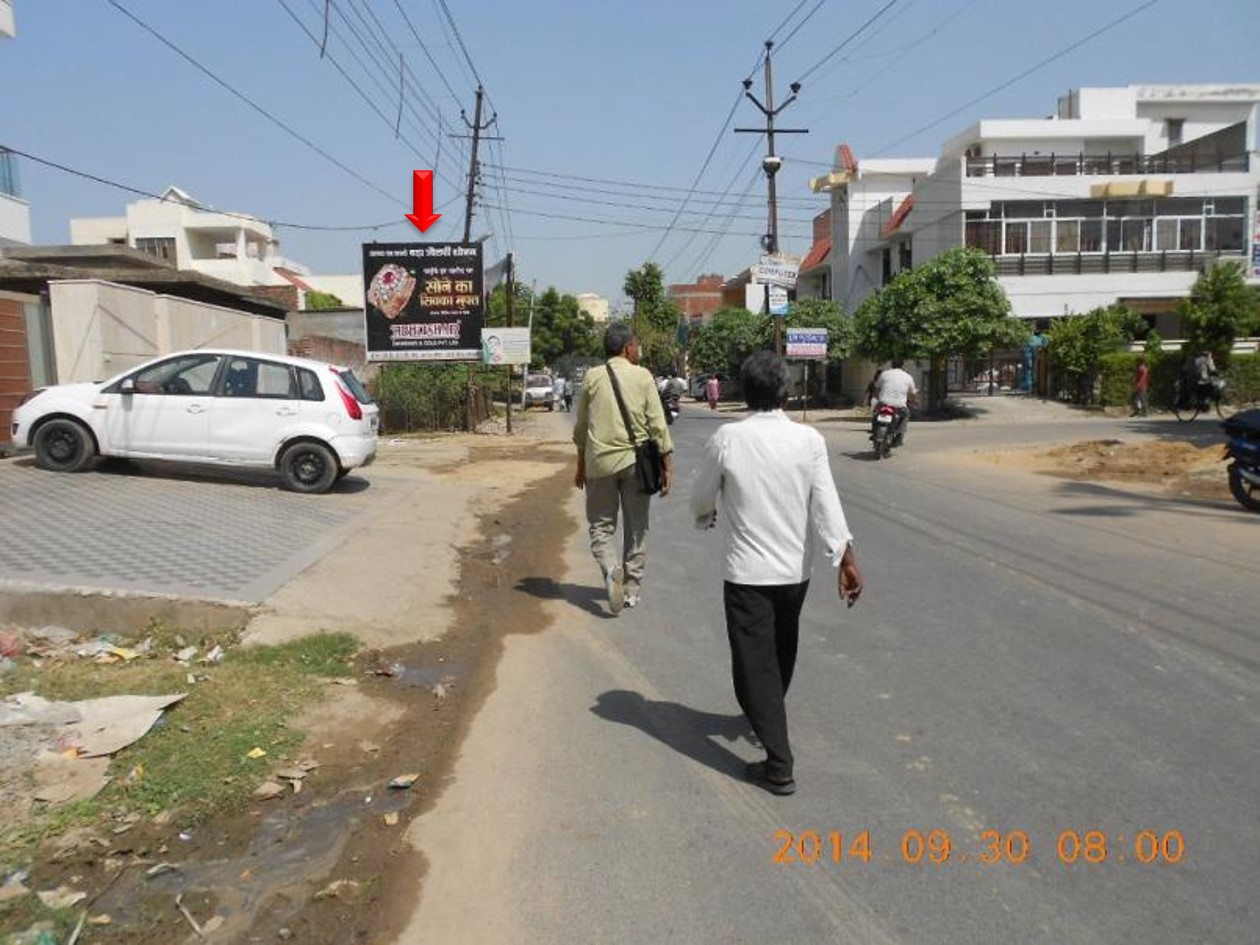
x,y
1117,503
588,599
688,731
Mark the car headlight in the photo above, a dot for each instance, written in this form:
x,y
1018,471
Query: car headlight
x,y
31,395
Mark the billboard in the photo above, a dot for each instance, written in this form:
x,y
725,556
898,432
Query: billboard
x,y
505,346
424,301
777,270
807,343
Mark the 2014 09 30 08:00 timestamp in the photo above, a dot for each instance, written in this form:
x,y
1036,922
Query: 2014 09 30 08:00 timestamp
x,y
937,847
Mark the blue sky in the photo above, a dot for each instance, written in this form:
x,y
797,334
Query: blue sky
x,y
585,92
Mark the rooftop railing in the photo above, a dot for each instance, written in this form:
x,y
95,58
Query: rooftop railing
x,y
1073,165
1060,264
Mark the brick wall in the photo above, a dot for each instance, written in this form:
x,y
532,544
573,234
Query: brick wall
x,y
15,368
333,350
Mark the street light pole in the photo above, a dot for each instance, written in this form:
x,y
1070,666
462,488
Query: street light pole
x,y
771,164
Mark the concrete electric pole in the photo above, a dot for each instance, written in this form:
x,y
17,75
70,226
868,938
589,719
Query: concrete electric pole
x,y
771,164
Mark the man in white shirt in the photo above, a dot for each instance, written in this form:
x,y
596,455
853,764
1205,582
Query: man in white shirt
x,y
895,387
779,505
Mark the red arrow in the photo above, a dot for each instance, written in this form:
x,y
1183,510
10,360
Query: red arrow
x,y
422,201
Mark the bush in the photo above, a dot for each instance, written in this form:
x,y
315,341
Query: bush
x,y
1115,378
1243,378
432,396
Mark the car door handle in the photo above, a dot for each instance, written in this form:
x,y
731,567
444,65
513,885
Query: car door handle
x,y
286,412
195,408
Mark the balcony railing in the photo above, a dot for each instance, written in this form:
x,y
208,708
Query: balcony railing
x,y
1072,165
1061,264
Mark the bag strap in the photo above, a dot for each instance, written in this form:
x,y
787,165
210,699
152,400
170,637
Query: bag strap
x,y
621,404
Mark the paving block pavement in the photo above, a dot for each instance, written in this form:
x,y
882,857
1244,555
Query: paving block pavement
x,y
222,539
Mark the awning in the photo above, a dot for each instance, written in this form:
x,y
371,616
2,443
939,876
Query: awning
x,y
898,217
817,255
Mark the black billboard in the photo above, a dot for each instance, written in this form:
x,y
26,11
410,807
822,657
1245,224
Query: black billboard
x,y
424,301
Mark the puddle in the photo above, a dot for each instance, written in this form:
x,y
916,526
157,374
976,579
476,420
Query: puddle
x,y
425,677
292,850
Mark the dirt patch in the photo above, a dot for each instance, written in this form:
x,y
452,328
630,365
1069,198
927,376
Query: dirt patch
x,y
331,863
1163,467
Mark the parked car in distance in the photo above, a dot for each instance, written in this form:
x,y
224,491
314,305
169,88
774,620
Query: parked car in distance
x,y
313,422
539,391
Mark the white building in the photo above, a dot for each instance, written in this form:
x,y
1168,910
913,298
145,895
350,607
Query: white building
x,y
231,246
595,306
15,213
1126,194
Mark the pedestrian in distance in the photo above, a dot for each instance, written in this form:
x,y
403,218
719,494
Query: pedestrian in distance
x,y
769,479
1141,384
606,462
713,391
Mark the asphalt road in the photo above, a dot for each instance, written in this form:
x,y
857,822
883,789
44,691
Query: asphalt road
x,y
1055,676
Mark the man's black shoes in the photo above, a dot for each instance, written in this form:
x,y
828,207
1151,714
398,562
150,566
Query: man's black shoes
x,y
757,775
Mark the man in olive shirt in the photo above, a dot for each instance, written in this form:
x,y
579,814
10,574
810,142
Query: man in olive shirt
x,y
605,462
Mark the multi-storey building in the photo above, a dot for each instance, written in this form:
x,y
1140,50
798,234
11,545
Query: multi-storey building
x,y
699,300
1124,195
231,246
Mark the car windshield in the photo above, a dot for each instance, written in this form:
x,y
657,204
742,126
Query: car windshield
x,y
538,380
355,386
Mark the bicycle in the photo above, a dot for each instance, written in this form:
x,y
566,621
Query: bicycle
x,y
1187,406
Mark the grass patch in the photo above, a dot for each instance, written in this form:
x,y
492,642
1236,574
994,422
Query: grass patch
x,y
195,760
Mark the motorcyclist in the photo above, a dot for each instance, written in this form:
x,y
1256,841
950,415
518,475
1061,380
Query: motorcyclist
x,y
895,387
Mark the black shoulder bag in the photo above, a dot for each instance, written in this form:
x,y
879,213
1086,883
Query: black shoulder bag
x,y
648,464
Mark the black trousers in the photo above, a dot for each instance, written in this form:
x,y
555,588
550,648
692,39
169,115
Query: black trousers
x,y
763,626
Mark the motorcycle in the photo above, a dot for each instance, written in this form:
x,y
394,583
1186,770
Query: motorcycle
x,y
888,429
1243,448
670,404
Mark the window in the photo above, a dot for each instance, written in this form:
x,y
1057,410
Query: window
x,y
161,247
1067,236
1166,234
191,375
1039,236
1135,235
247,377
905,257
1173,128
985,235
1016,238
309,387
1224,234
1191,235
1091,236
886,267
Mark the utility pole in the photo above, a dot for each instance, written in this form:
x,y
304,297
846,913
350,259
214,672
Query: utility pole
x,y
474,173
511,317
771,164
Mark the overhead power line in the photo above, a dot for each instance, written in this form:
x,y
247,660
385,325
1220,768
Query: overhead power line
x,y
1022,74
279,123
138,191
634,184
620,223
848,39
425,49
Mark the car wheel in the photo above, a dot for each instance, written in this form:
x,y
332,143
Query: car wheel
x,y
63,446
308,467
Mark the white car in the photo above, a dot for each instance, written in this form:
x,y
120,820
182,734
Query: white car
x,y
539,389
312,421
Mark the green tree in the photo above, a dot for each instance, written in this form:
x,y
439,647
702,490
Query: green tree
x,y
1221,307
656,318
1075,345
560,329
949,306
722,343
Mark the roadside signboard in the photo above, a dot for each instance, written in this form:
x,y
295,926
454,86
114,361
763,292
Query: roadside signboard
x,y
505,346
778,301
777,270
424,301
807,344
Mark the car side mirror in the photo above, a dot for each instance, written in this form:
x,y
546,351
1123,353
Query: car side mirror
x,y
127,387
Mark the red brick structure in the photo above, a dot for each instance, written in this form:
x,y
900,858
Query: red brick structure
x,y
15,372
698,301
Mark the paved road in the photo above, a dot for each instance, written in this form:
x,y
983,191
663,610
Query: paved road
x,y
168,530
1032,657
